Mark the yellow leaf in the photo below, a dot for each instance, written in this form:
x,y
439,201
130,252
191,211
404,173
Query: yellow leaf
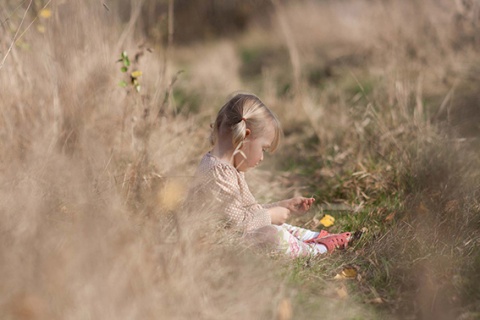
x,y
347,273
338,276
136,74
45,13
327,220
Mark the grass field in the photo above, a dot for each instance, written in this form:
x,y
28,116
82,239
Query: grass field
x,y
380,104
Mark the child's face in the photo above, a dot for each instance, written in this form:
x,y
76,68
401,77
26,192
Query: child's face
x,y
253,147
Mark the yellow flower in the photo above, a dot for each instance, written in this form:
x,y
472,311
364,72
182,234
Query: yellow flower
x,y
45,13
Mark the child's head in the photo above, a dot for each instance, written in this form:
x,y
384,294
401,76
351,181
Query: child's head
x,y
251,126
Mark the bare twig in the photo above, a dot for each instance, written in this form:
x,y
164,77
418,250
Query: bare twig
x,y
15,36
34,19
168,91
2,23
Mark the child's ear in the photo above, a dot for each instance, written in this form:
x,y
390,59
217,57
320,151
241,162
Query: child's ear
x,y
247,132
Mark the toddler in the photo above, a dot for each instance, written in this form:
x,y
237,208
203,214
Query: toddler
x,y
243,130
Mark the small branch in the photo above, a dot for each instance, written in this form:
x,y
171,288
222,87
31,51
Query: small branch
x,y
2,23
167,93
34,19
15,36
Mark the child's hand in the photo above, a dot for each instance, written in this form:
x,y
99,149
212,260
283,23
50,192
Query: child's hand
x,y
279,215
298,204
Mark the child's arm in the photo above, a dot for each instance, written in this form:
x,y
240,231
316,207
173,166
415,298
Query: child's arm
x,y
297,204
230,191
280,211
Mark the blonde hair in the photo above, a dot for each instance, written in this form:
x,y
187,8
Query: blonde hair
x,y
244,111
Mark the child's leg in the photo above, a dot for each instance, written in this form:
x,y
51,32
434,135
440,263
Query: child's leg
x,y
300,233
295,247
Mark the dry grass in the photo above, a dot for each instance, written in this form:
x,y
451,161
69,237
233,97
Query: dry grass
x,y
383,139
93,174
90,188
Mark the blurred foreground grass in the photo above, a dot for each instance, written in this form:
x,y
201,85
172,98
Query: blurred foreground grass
x,y
380,106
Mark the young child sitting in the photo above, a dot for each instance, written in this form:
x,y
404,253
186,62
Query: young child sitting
x,y
243,130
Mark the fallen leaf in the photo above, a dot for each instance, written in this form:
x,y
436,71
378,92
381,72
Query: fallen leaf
x,y
347,273
327,220
390,217
284,311
375,301
136,74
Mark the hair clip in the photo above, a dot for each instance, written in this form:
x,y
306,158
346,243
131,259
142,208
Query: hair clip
x,y
243,119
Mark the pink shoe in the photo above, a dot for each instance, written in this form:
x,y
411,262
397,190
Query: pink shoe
x,y
322,234
334,241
